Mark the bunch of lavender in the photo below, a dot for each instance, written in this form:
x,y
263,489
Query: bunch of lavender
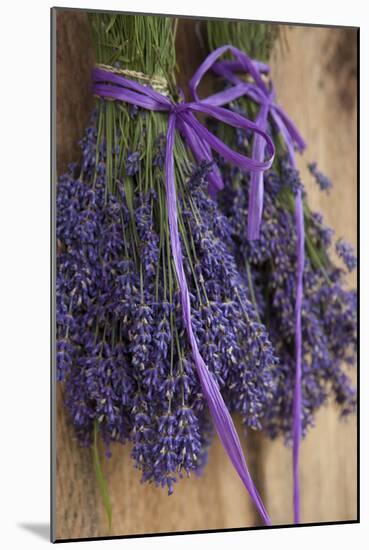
x,y
269,266
328,311
123,352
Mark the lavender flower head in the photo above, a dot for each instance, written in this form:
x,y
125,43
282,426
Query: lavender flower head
x,y
324,183
346,252
132,163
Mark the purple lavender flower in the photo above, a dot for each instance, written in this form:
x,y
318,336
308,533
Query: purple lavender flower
x,y
149,245
321,234
346,252
159,151
132,163
290,176
64,358
324,183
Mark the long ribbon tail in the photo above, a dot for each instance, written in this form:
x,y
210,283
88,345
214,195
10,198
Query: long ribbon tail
x,y
221,417
256,191
299,219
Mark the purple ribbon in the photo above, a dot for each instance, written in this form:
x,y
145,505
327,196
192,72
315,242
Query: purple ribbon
x,y
181,117
259,92
265,96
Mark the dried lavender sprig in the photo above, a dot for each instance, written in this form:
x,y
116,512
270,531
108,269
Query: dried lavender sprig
x,y
324,183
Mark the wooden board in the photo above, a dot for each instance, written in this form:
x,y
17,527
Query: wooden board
x,y
316,82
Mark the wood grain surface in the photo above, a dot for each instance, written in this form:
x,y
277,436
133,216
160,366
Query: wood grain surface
x,y
314,71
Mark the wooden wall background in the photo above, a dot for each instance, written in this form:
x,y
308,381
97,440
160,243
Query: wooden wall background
x,y
314,70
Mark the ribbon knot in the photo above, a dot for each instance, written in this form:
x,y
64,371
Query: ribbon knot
x,y
177,108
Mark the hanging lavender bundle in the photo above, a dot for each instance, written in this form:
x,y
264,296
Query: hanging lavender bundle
x,y
328,309
269,263
298,292
125,353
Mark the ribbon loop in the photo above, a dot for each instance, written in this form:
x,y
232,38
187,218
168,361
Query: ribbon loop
x,y
265,96
243,61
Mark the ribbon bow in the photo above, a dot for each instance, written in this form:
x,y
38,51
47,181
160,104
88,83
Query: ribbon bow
x,y
259,92
201,141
